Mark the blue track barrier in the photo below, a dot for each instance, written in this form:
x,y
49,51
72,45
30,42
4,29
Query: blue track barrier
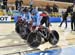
x,y
55,19
51,19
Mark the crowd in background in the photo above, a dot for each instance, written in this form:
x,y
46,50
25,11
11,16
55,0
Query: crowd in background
x,y
48,9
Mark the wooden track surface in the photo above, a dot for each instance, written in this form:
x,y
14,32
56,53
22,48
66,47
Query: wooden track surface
x,y
8,37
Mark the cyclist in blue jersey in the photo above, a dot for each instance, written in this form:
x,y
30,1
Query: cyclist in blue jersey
x,y
36,19
26,16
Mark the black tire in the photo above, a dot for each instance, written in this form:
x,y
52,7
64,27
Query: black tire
x,y
25,35
17,29
53,35
34,40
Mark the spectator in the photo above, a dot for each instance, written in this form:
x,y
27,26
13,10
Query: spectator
x,y
55,8
18,4
48,9
31,4
5,4
1,3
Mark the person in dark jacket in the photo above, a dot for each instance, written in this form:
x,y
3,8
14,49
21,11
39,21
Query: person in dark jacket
x,y
5,4
73,19
48,8
64,16
73,22
64,19
18,4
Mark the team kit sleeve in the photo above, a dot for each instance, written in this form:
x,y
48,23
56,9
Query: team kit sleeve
x,y
23,17
38,19
30,19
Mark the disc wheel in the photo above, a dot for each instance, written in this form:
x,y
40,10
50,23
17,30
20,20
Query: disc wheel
x,y
34,40
53,37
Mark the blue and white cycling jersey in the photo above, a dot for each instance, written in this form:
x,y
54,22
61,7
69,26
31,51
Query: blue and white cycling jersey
x,y
27,17
36,19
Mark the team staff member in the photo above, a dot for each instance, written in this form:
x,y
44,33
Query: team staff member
x,y
64,19
64,16
73,19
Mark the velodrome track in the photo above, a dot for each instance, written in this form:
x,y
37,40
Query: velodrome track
x,y
10,41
